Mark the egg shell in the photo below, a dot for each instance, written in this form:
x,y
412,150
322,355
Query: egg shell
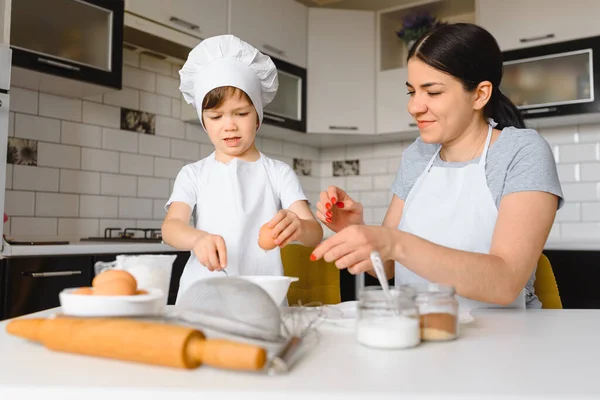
x,y
115,287
84,291
114,274
265,240
141,291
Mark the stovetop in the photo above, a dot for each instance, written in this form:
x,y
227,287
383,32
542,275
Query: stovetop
x,y
127,235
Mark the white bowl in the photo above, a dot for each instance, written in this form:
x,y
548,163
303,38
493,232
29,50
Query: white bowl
x,y
276,286
79,305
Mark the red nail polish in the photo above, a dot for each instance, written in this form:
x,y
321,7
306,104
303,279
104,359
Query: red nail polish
x,y
333,200
313,257
328,220
339,204
327,206
329,214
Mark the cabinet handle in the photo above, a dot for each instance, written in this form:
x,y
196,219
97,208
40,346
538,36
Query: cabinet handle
x,y
343,128
273,118
58,64
0,103
539,110
51,274
536,38
412,125
273,49
185,24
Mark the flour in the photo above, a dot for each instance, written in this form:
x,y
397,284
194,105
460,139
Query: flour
x,y
393,332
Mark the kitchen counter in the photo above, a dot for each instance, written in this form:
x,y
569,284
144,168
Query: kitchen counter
x,y
575,246
503,354
84,248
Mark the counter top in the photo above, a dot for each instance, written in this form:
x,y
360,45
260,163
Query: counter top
x,y
503,354
75,248
575,246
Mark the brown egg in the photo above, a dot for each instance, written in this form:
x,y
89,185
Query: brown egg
x,y
112,275
115,287
84,291
141,291
265,240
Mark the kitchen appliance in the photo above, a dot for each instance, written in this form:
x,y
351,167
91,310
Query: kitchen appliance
x,y
127,235
555,80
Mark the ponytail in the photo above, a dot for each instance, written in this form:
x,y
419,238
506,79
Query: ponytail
x,y
503,111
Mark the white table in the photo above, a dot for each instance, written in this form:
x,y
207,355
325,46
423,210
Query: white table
x,y
503,354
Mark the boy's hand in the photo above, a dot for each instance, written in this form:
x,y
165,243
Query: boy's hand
x,y
210,250
287,227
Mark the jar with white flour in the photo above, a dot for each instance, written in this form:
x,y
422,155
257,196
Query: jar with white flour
x,y
387,323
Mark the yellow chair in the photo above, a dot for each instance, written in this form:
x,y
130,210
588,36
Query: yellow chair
x,y
319,280
545,285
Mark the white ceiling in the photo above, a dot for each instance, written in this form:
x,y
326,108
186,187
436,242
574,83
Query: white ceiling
x,y
356,4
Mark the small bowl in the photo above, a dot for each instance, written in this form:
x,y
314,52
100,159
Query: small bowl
x,y
276,286
79,305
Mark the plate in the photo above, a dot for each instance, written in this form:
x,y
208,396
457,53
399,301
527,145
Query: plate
x,y
77,305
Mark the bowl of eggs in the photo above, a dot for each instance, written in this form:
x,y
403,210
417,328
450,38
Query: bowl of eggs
x,y
114,293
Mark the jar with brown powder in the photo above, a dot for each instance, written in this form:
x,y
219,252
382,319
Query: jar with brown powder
x,y
438,309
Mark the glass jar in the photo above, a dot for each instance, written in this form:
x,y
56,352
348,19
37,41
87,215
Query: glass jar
x,y
438,310
387,323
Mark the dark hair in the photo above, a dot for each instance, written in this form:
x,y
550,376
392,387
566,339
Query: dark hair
x,y
470,54
216,97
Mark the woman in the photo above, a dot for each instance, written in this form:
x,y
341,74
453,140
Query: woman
x,y
476,194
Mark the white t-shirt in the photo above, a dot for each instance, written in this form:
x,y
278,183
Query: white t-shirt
x,y
234,200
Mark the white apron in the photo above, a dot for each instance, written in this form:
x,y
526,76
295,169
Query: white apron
x,y
234,201
452,207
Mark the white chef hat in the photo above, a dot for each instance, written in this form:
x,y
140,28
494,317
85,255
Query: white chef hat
x,y
227,60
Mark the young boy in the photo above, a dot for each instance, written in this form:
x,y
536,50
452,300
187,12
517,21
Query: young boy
x,y
236,189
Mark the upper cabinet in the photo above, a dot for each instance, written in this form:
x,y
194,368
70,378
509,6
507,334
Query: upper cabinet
x,y
341,71
275,27
524,23
199,18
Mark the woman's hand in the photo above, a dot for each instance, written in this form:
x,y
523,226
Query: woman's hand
x,y
210,250
286,227
337,210
351,248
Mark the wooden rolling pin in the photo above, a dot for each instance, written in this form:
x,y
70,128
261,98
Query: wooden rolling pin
x,y
138,341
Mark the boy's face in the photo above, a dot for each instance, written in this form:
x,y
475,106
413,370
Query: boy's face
x,y
232,127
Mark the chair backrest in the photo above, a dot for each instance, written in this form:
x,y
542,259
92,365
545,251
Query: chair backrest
x,y
319,280
545,285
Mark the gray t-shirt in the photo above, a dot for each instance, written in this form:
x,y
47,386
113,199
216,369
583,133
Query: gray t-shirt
x,y
519,160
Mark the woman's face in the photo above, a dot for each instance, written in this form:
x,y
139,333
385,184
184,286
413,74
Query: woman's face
x,y
438,102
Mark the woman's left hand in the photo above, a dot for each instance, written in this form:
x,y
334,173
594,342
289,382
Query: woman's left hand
x,y
287,227
351,247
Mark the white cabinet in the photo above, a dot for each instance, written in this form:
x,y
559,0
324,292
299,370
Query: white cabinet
x,y
199,18
341,71
275,27
525,23
392,102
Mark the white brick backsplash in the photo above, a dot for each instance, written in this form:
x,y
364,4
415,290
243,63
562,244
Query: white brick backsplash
x,y
148,224
99,207
580,231
6,228
359,151
135,208
35,178
115,223
333,153
374,199
206,150
579,152
394,164
568,172
560,135
373,167
22,226
19,203
175,70
292,150
168,86
118,185
170,127
556,153
313,198
77,227
569,212
81,135
38,128
270,146
11,124
58,155
159,209
288,160
378,215
310,183
155,64
581,191
134,164
554,232
79,182
312,153
9,176
590,211
130,57
176,108
590,171
115,139
156,188
138,79
172,184
154,145
128,98
323,169
101,114
99,160
166,167
393,149
60,107
359,183
383,182
196,133
23,100
589,133
185,150
56,205
155,103
96,98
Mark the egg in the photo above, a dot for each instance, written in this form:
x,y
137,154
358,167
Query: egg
x,y
265,239
114,274
114,282
84,291
141,291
